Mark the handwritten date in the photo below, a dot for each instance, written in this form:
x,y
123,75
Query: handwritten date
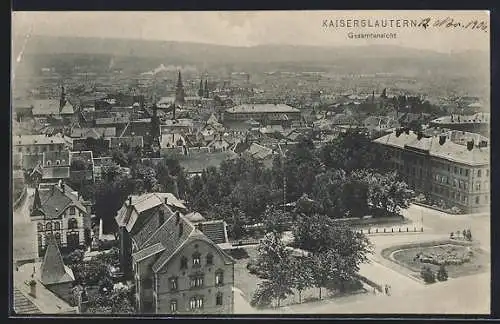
x,y
453,23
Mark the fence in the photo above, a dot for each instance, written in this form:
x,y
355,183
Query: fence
x,y
391,230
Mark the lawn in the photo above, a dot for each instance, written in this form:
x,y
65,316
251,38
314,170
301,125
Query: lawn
x,y
406,256
248,283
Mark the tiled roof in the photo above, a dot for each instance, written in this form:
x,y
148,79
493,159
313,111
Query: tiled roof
x,y
96,132
51,106
258,151
215,231
87,156
131,141
53,270
22,305
262,108
36,139
54,201
56,172
147,252
53,156
449,150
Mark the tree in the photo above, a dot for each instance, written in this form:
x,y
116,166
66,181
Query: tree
x,y
442,274
469,235
302,275
117,301
275,220
428,275
273,261
78,164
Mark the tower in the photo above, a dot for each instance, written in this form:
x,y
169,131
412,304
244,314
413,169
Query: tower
x,y
200,90
62,100
179,91
206,88
155,126
37,202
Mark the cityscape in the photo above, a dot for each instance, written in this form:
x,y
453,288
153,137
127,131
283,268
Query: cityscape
x,y
242,174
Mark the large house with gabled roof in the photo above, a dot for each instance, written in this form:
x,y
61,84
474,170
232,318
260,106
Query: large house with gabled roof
x,y
177,269
61,213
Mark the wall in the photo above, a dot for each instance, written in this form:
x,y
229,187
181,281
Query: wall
x,y
208,291
62,290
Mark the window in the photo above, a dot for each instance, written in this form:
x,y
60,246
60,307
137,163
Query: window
x,y
218,299
48,227
173,306
196,259
58,162
196,281
49,162
196,302
219,278
72,223
460,171
39,240
20,149
487,172
455,170
477,200
71,210
184,263
210,259
39,227
478,186
57,226
173,284
466,172
479,173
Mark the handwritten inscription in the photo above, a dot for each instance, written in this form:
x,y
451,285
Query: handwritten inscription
x,y
449,22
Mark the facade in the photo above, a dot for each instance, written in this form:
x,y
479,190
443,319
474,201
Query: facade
x,y
442,169
32,144
177,269
477,123
58,212
263,113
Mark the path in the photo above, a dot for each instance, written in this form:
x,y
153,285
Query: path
x,y
24,231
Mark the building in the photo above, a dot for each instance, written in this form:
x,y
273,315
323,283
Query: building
x,y
441,168
30,144
263,113
81,166
176,267
60,212
477,123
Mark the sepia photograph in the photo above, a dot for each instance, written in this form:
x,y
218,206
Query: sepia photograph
x,y
250,163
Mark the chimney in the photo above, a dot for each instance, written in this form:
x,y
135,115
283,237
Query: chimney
x,y
63,186
166,200
130,200
407,131
177,217
200,227
181,229
419,136
442,139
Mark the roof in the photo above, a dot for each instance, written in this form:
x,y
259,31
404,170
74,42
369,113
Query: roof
x,y
131,141
53,270
54,156
197,162
30,161
95,132
476,118
194,217
215,230
84,155
22,305
51,107
449,151
127,216
263,108
170,140
37,139
54,201
258,151
57,172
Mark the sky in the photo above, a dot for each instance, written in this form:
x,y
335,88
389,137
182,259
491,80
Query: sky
x,y
250,28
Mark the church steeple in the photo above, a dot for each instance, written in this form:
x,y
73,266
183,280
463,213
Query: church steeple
x,y
200,90
179,91
37,202
206,88
62,100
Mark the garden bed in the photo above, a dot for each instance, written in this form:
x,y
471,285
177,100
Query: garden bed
x,y
450,252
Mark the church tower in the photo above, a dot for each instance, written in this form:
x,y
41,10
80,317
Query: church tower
x,y
206,89
200,90
179,91
62,100
155,126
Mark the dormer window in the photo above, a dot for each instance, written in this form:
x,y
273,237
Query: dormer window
x,y
184,263
72,210
58,162
49,162
48,227
196,260
210,259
